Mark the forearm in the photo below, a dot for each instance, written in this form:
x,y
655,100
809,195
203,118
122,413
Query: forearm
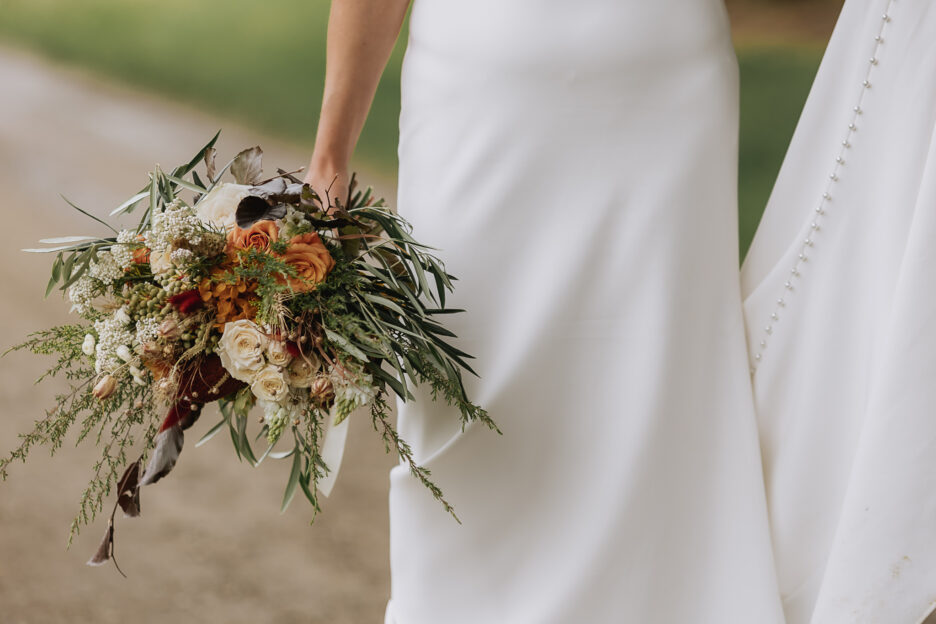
x,y
361,36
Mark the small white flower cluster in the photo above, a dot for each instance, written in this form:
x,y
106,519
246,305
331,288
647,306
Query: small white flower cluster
x,y
81,294
147,330
350,394
278,415
105,268
123,249
177,224
113,345
181,256
293,224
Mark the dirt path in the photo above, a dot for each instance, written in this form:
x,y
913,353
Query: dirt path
x,y
211,545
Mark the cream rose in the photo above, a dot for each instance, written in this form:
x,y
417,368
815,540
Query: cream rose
x,y
161,262
277,353
219,206
241,349
302,370
269,385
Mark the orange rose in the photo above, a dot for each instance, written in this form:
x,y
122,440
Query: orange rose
x,y
310,258
258,236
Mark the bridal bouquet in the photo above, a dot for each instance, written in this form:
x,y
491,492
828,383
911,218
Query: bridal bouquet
x,y
259,293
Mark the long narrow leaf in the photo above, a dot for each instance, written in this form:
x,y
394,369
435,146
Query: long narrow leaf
x,y
293,482
86,213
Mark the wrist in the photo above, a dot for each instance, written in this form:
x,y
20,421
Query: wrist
x,y
328,161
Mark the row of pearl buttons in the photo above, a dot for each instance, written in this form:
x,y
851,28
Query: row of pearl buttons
x,y
759,348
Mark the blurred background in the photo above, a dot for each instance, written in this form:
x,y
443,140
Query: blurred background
x,y
92,94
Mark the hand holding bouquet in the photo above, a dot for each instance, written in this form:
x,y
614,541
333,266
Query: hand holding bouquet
x,y
257,293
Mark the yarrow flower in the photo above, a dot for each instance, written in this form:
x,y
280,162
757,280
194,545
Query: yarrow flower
x,y
147,330
81,294
113,333
181,256
105,268
123,250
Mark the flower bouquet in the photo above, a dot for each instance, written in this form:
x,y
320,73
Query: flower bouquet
x,y
257,293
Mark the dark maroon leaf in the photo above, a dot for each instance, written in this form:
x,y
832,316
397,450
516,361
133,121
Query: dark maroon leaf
x,y
254,208
168,446
128,490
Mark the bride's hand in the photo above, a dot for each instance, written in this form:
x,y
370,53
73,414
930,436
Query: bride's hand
x,y
330,180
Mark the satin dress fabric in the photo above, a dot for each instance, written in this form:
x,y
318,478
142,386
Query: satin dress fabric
x,y
575,165
845,390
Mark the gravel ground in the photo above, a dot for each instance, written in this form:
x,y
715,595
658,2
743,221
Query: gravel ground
x,y
211,545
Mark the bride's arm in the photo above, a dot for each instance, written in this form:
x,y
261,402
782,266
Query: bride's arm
x,y
361,35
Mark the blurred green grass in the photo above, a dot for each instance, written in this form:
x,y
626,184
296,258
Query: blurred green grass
x,y
262,63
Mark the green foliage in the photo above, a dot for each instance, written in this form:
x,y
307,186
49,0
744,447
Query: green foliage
x,y
116,423
774,85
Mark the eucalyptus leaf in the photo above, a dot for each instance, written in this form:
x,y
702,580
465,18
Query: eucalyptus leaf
x,y
211,433
247,166
128,205
293,481
88,214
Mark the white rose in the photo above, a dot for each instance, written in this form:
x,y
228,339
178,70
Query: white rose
x,y
87,347
219,206
269,385
277,354
241,349
302,370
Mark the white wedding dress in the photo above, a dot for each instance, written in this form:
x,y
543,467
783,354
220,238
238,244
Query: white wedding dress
x,y
575,163
841,306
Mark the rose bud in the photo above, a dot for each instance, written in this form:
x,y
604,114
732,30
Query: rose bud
x,y
105,387
169,328
321,390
